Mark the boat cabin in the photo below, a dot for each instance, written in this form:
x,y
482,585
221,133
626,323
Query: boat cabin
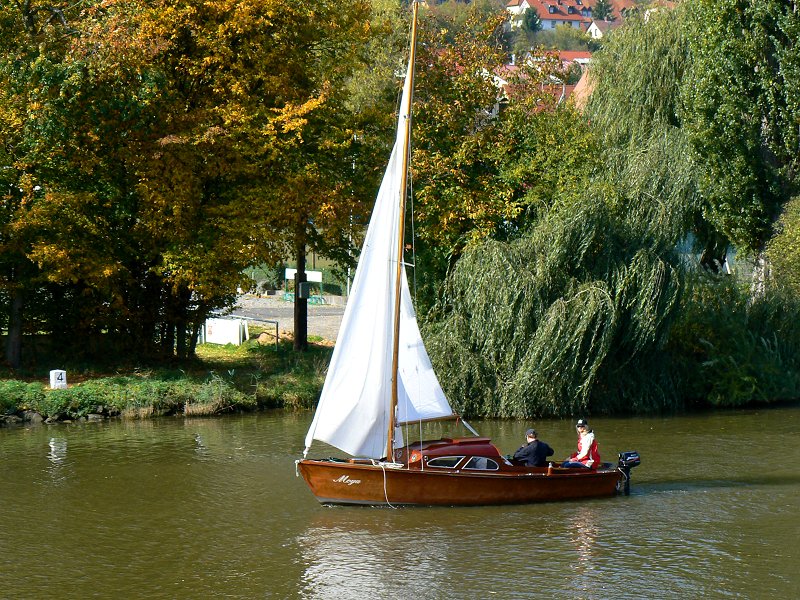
x,y
474,453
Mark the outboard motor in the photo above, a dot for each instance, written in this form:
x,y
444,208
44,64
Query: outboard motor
x,y
627,461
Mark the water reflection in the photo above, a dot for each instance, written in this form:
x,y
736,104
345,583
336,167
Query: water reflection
x,y
57,457
368,552
584,528
200,447
58,451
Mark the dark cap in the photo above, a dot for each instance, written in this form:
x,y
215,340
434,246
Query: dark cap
x,y
582,423
530,433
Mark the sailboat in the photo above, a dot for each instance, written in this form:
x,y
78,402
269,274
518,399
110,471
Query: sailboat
x,y
380,379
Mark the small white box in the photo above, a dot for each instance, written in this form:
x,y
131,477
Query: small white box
x,y
58,379
226,331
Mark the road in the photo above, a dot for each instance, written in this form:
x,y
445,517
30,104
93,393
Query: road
x,y
323,319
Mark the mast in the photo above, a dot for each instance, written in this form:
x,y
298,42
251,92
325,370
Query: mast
x,y
401,235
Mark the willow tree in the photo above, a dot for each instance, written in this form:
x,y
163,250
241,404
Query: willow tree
x,y
635,107
698,109
571,312
568,319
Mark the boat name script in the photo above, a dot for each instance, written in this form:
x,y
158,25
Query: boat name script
x,y
347,480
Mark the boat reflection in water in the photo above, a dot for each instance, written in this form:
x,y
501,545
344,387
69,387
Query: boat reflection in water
x,y
357,558
585,534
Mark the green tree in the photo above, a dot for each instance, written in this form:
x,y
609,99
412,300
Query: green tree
x,y
33,38
783,249
741,112
563,37
569,318
531,22
603,10
457,13
635,108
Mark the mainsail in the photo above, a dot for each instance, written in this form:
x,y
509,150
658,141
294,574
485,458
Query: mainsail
x,y
354,408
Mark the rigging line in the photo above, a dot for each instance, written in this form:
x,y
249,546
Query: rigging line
x,y
413,226
408,453
421,459
410,197
385,493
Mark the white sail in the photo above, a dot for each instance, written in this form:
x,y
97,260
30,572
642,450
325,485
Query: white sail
x,y
353,410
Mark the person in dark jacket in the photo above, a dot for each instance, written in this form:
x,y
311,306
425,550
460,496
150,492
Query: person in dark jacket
x,y
534,453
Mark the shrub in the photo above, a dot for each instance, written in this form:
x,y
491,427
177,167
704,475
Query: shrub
x,y
733,349
16,395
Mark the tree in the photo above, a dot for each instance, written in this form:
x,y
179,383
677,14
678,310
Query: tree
x,y
163,131
783,249
569,318
33,36
603,11
531,22
636,110
307,197
453,131
588,308
482,166
457,13
563,37
742,110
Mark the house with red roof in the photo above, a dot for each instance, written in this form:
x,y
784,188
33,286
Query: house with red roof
x,y
582,57
552,13
506,78
599,29
573,13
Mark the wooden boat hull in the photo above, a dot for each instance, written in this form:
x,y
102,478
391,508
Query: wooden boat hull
x,y
335,482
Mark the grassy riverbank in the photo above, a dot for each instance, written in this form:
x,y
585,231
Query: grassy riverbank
x,y
222,379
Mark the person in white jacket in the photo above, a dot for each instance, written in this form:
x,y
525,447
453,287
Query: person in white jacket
x,y
587,456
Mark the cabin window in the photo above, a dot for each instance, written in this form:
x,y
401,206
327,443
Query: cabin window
x,y
481,463
445,462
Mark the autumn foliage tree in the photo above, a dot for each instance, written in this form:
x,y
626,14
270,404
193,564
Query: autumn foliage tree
x,y
152,150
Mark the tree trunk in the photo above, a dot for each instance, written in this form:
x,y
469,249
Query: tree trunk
x,y
300,304
168,341
14,341
758,285
146,304
193,340
182,322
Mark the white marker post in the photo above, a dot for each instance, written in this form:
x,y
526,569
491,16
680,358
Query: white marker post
x,y
58,380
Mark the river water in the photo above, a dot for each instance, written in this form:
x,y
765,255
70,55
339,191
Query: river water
x,y
211,508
